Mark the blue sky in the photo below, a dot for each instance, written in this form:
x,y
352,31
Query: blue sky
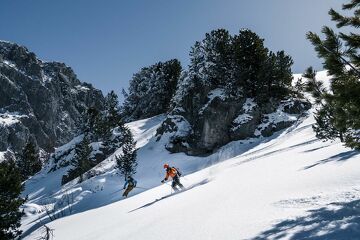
x,y
105,42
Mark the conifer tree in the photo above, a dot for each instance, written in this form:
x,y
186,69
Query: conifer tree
x,y
126,162
281,75
218,49
111,122
151,90
92,120
326,126
112,114
113,140
241,65
81,161
172,71
10,200
340,52
250,56
29,161
197,63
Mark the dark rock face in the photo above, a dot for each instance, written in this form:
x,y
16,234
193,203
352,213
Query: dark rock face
x,y
213,124
43,99
246,123
203,121
297,106
202,128
180,130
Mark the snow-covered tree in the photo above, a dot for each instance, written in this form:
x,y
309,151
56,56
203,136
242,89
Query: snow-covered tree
x,y
114,139
112,114
240,64
211,58
151,90
126,162
250,56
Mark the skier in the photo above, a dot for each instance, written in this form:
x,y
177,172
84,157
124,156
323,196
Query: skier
x,y
175,175
131,183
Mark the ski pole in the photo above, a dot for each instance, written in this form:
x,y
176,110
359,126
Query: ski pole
x,y
116,191
142,188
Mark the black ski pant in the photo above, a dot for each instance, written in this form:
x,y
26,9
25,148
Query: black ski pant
x,y
175,183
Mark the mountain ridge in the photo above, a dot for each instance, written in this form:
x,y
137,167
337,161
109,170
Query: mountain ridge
x,y
47,95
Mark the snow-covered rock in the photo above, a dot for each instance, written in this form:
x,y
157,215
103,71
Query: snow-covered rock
x,y
222,119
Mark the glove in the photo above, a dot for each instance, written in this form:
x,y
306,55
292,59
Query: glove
x,y
162,181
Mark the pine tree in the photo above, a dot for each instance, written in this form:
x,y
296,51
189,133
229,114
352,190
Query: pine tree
x,y
81,161
218,49
172,71
340,52
151,90
241,65
250,56
10,200
126,162
113,140
92,119
280,75
326,126
29,161
112,113
197,64
111,122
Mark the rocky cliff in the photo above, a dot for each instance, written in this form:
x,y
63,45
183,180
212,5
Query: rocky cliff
x,y
205,120
40,100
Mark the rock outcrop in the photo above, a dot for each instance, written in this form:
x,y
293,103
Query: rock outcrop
x,y
202,129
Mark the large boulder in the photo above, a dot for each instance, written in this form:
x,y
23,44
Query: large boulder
x,y
213,123
222,119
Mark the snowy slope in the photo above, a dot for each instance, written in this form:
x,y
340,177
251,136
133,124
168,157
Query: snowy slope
x,y
289,186
45,192
237,199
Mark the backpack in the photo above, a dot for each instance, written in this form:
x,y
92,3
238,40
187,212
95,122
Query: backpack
x,y
178,172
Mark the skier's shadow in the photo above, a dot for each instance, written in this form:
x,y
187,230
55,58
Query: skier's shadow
x,y
170,195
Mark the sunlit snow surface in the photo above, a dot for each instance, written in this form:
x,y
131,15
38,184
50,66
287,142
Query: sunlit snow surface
x,y
288,186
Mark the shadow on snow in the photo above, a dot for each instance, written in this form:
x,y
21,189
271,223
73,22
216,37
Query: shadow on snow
x,y
170,195
343,156
338,221
277,151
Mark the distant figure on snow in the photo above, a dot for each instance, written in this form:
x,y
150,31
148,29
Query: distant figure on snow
x,y
130,182
175,174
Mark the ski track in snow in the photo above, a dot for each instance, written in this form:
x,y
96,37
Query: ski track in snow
x,y
288,186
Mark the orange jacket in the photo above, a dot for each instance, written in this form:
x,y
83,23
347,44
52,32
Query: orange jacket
x,y
170,172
